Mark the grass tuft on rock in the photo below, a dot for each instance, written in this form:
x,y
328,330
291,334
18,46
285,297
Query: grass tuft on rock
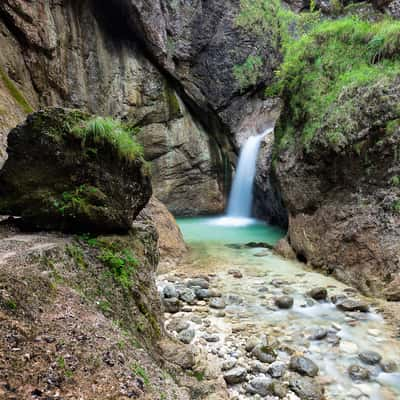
x,y
108,131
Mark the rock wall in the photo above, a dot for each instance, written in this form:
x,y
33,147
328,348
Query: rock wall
x,y
343,198
84,55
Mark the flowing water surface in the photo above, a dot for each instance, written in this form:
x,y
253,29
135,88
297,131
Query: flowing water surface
x,y
217,246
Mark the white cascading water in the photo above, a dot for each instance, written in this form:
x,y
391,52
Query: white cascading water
x,y
241,196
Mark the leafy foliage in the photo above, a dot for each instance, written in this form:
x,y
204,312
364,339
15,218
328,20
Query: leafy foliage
x,y
248,73
110,132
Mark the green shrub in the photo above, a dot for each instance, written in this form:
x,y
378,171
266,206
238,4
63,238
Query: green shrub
x,y
248,73
140,371
109,132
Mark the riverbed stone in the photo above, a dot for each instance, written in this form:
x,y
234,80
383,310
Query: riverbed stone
x,y
217,303
318,293
202,294
178,325
279,389
277,369
171,305
352,305
264,353
198,282
389,366
319,334
188,296
186,336
304,366
211,338
235,375
306,388
358,373
370,357
260,385
284,302
229,364
169,292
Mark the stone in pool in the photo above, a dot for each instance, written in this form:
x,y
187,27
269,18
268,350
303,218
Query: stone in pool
x,y
187,295
352,305
304,366
235,375
198,282
319,334
170,291
370,357
358,373
318,293
264,353
284,302
306,388
171,305
186,336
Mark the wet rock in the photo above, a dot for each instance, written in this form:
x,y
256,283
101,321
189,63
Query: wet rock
x,y
279,389
370,357
258,366
186,336
178,325
217,303
319,334
264,353
352,305
233,299
304,366
198,282
170,292
196,319
277,282
220,314
171,305
188,296
211,338
306,388
389,366
251,343
235,375
358,373
284,302
237,274
336,298
202,294
277,369
229,364
260,385
318,293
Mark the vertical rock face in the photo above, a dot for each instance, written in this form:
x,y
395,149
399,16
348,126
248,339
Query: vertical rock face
x,y
84,55
343,197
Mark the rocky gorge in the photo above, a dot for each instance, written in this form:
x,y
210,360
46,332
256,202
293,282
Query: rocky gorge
x,y
117,116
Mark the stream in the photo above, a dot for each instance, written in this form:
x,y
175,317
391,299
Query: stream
x,y
247,280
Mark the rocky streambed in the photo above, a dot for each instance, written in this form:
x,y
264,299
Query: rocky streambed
x,y
271,328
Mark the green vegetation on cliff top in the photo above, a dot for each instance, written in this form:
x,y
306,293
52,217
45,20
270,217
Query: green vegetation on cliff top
x,y
332,58
322,60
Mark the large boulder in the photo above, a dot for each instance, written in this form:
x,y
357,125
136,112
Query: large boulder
x,y
171,243
64,172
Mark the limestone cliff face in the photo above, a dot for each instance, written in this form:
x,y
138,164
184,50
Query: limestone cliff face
x,y
83,55
343,199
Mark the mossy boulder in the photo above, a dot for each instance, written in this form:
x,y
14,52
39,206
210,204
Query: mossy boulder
x,y
69,171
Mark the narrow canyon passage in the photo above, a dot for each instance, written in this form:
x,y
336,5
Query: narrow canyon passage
x,y
252,283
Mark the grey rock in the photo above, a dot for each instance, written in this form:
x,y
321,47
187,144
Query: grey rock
x,y
319,334
304,366
198,282
260,385
186,336
212,338
169,292
178,325
284,302
218,303
277,369
188,296
352,305
370,357
279,389
171,305
202,294
229,364
235,375
318,293
306,388
389,366
358,373
264,353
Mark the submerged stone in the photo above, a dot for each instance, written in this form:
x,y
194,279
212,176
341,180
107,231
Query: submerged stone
x,y
284,302
304,366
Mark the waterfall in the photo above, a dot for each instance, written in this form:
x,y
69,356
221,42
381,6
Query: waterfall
x,y
241,196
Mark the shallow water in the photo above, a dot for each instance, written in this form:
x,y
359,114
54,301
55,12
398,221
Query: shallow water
x,y
208,239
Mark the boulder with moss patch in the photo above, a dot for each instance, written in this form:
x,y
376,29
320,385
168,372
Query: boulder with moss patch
x,y
70,171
